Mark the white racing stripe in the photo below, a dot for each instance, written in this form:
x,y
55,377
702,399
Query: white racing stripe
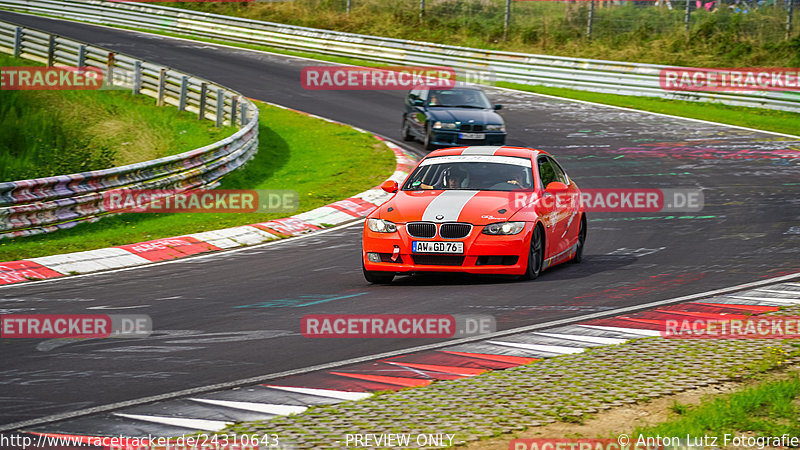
x,y
448,206
481,150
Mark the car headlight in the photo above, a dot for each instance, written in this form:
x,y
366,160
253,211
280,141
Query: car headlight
x,y
496,127
444,125
504,228
381,226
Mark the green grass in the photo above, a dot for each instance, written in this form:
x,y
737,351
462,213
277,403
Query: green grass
x,y
323,162
767,409
46,133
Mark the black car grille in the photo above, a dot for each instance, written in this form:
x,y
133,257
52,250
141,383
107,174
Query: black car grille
x,y
455,230
438,260
470,127
421,229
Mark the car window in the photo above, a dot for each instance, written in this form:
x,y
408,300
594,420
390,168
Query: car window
x,y
465,98
549,171
474,173
560,174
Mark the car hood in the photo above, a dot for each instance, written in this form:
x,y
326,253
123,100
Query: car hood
x,y
475,207
465,115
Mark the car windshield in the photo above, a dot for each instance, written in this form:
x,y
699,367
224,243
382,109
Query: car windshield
x,y
473,172
459,98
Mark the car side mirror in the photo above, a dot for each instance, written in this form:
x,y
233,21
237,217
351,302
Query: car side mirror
x,y
418,102
556,187
389,186
498,107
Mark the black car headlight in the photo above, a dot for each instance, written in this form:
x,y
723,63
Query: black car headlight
x,y
444,125
504,228
381,226
496,127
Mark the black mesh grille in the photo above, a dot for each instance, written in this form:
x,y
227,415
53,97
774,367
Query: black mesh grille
x,y
421,229
455,230
438,260
470,127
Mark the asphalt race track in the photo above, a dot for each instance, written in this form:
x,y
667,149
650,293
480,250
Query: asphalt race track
x,y
234,315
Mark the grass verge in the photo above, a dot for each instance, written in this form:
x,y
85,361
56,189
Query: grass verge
x,y
758,118
46,133
322,161
767,409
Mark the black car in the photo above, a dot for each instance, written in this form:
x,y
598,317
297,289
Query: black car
x,y
452,117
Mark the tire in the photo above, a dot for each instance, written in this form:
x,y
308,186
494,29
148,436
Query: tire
x,y
428,142
535,255
376,277
405,132
581,241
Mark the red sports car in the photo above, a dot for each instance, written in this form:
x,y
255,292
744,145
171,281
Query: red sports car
x,y
485,210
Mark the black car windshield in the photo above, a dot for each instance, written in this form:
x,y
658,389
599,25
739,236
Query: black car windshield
x,y
459,98
472,172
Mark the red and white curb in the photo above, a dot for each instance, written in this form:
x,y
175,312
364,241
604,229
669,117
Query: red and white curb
x,y
294,394
130,255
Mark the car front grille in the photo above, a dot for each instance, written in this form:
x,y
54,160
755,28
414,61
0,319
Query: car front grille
x,y
421,229
438,260
455,230
470,127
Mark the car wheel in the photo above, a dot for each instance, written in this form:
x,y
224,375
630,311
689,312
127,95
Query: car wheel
x,y
581,241
405,131
428,143
377,277
535,255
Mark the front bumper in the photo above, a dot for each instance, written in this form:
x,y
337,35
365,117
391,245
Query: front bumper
x,y
483,254
451,138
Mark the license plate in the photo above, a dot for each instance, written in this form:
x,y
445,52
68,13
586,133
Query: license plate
x,y
471,135
437,247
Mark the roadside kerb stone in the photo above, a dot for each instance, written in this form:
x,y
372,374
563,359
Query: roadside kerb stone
x,y
562,388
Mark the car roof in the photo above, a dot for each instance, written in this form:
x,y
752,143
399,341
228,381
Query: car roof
x,y
488,150
443,88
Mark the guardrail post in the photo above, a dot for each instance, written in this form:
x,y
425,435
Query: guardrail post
x,y
51,50
137,77
110,69
17,42
688,11
421,10
184,90
348,6
591,18
243,114
234,104
220,108
203,92
508,19
789,19
162,86
82,56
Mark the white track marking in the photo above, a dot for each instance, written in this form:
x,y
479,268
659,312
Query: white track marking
x,y
192,424
268,408
584,338
538,347
341,395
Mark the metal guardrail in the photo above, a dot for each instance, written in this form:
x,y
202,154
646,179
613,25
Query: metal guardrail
x,y
42,205
585,74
